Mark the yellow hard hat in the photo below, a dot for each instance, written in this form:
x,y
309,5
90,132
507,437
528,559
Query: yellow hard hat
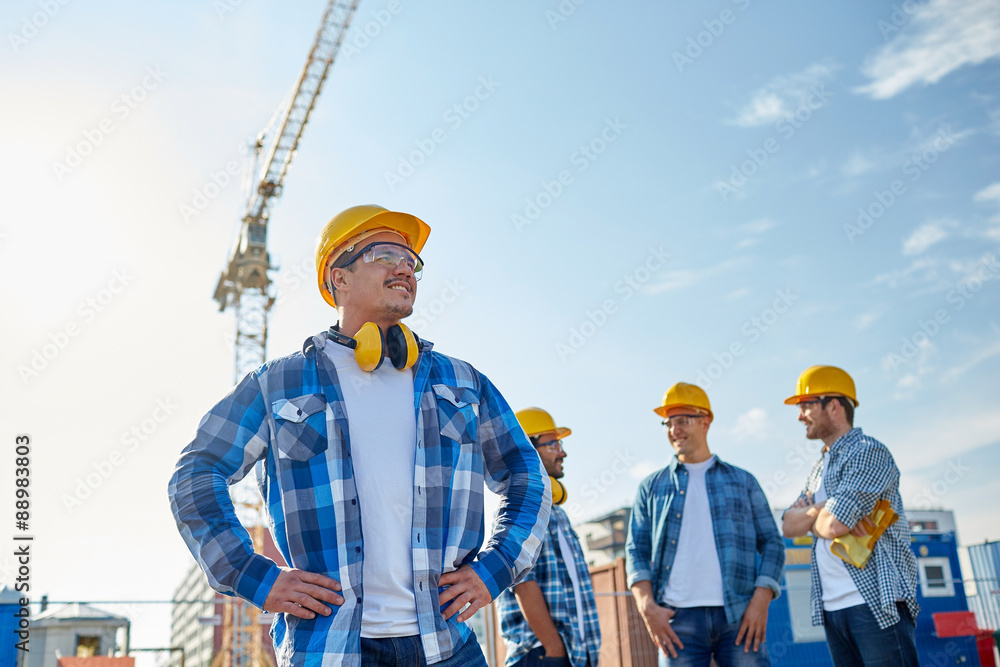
x,y
354,222
686,395
820,381
536,421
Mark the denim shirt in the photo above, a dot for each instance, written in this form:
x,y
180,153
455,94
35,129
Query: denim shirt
x,y
751,551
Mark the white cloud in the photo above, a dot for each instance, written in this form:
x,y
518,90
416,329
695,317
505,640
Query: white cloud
x,y
978,357
865,320
942,36
758,226
857,165
751,425
675,280
783,96
989,193
923,238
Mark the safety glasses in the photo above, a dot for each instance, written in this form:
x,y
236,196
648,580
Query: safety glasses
x,y
387,254
680,420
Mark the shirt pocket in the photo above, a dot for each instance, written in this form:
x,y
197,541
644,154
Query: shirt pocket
x,y
458,413
301,423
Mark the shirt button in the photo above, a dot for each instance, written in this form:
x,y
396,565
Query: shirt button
x,y
359,600
418,537
682,492
298,413
354,501
357,550
673,541
678,516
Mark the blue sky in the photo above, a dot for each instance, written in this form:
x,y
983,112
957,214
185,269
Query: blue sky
x,y
621,198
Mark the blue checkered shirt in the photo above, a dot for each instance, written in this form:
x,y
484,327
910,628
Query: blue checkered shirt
x,y
862,472
552,574
288,420
742,524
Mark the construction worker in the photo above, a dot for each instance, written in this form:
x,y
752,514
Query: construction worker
x,y
869,613
372,474
704,557
550,618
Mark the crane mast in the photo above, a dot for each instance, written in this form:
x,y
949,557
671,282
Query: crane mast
x,y
244,285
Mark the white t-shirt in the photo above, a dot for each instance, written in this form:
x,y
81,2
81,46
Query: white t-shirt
x,y
696,576
839,590
570,561
383,433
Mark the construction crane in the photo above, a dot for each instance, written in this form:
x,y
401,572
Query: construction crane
x,y
245,285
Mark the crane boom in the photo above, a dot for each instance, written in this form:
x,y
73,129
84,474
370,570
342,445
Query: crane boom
x,y
244,284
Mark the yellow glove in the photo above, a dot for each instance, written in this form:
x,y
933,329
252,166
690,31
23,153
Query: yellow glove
x,y
857,550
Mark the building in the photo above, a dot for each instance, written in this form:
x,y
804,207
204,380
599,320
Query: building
x,y
10,606
603,539
985,559
75,630
196,624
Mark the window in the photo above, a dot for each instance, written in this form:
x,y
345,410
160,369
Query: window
x,y
87,647
935,578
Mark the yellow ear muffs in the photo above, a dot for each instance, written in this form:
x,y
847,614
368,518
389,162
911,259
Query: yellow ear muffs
x,y
558,491
401,346
371,346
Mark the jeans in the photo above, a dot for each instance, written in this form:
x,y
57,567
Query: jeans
x,y
704,633
854,638
409,652
536,658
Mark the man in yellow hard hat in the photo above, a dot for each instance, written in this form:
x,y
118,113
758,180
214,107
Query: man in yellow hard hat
x,y
704,557
372,473
550,618
869,613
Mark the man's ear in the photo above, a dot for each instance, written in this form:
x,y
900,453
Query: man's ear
x,y
338,277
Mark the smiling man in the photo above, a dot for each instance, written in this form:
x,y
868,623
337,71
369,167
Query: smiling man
x,y
372,474
868,613
550,618
704,556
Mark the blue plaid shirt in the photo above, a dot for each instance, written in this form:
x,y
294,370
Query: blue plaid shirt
x,y
742,523
862,472
552,574
288,420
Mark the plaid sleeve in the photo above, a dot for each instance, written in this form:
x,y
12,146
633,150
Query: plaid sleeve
x,y
513,471
231,438
867,472
770,546
638,547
